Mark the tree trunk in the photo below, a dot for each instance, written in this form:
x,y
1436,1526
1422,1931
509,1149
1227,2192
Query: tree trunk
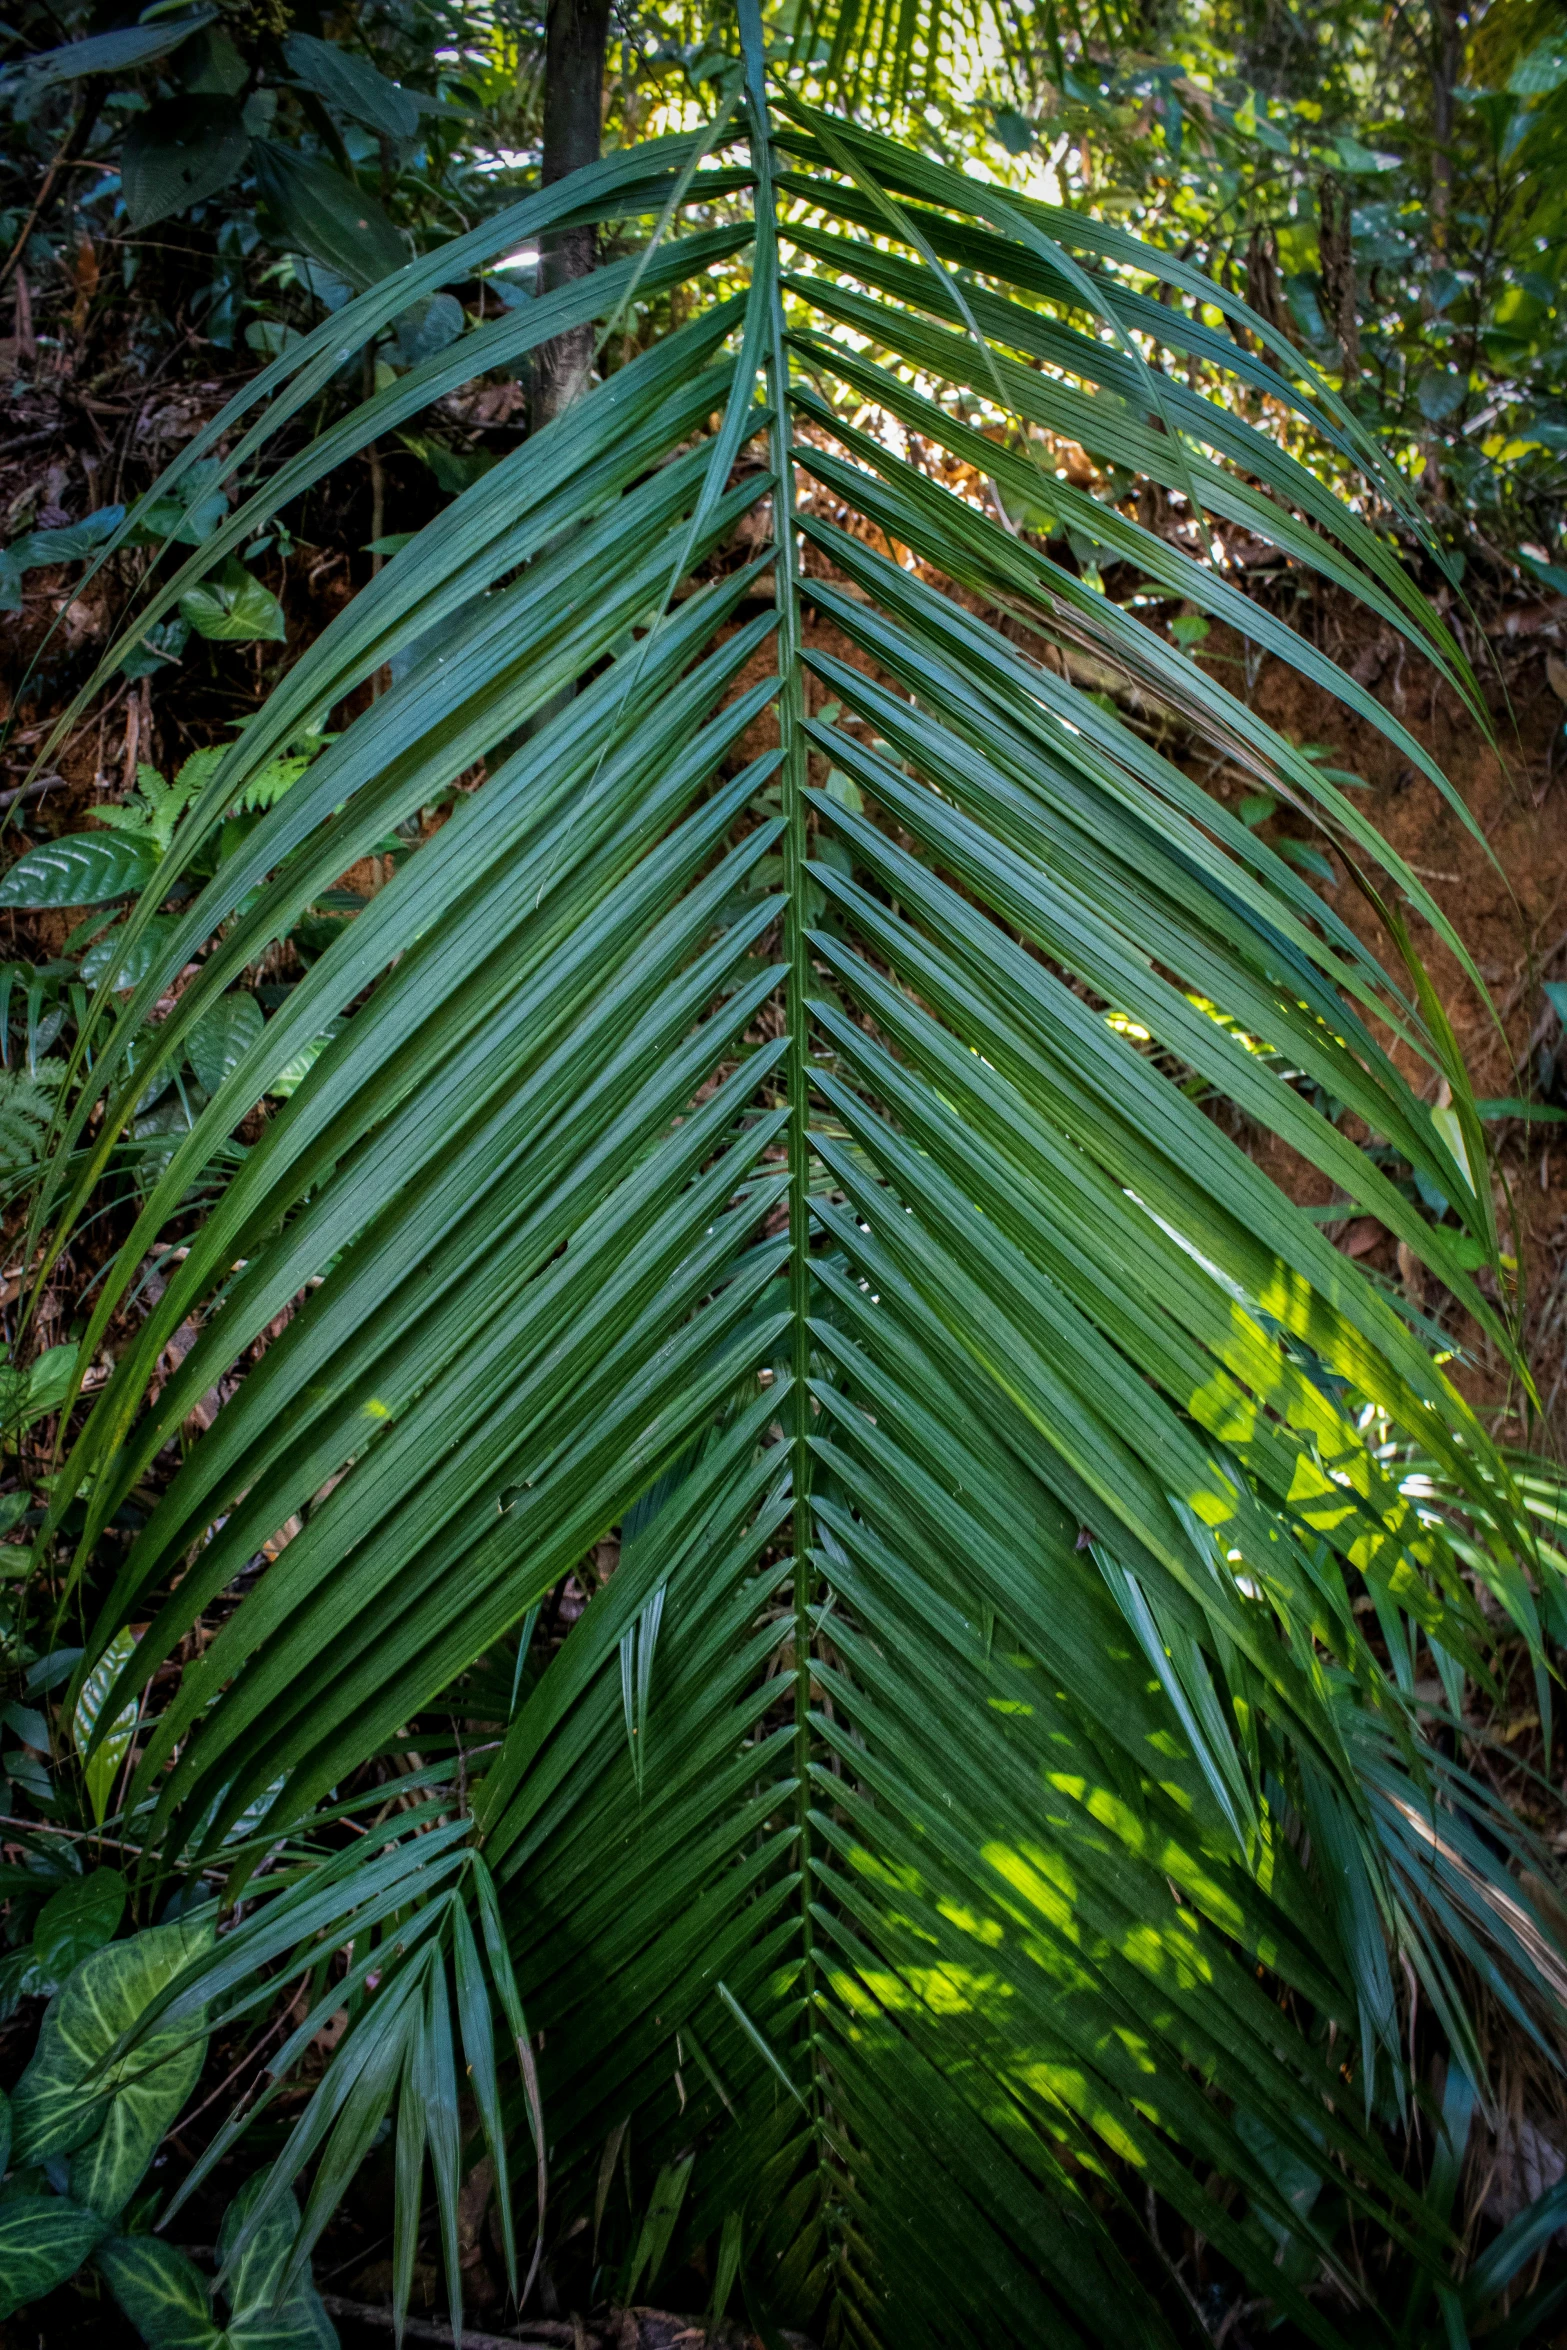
x,y
1446,59
577,33
1338,276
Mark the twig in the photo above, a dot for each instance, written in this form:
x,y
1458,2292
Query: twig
x,y
1170,2267
1233,2316
78,1835
88,1836
32,440
542,2331
29,791
1537,965
278,2025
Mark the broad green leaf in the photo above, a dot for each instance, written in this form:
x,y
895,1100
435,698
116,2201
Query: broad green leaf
x,y
77,2097
454,470
78,1920
31,1394
234,607
170,2302
214,67
157,649
28,1723
422,331
1544,69
102,1764
67,545
330,288
294,1072
51,1670
1441,394
129,958
178,152
189,516
110,53
30,1773
161,2291
266,2311
352,84
1354,156
221,1038
270,337
79,869
43,2240
327,216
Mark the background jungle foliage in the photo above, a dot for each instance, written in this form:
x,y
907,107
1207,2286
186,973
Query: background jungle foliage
x,y
592,1717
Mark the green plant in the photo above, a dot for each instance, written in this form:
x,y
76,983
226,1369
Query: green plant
x,y
26,1114
271,2306
975,1812
81,2129
102,869
1388,193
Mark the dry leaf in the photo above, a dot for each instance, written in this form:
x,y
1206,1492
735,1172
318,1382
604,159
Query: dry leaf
x,y
1556,671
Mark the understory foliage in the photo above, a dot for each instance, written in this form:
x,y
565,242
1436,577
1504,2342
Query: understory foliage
x,y
787,1125
1384,189
1387,192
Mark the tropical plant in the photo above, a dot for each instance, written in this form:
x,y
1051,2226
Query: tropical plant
x,y
790,1122
1388,193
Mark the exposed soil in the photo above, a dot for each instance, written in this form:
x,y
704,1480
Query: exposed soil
x,y
1506,895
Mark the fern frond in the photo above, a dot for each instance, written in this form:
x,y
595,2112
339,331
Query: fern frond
x,y
27,1102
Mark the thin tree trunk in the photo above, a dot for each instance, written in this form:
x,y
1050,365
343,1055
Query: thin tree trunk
x,y
1446,58
577,34
1337,253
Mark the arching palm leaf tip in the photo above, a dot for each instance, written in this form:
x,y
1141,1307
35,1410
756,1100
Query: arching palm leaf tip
x,y
787,1156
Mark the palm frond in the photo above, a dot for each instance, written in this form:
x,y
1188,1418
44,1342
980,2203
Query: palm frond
x,y
773,1119
893,54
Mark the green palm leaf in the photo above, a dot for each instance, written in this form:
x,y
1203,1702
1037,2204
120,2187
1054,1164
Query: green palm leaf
x,y
887,53
765,1120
